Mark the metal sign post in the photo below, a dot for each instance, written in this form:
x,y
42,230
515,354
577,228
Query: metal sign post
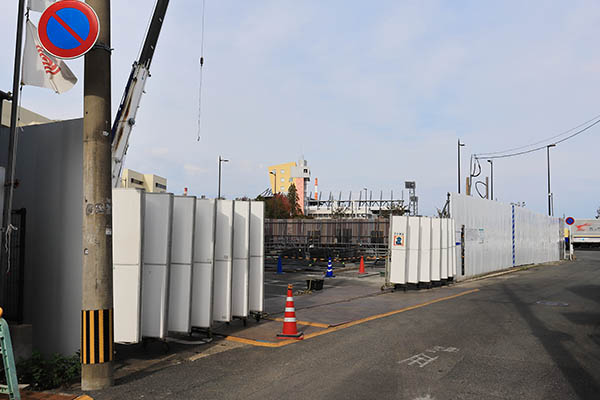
x,y
570,221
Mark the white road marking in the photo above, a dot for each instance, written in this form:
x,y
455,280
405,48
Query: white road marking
x,y
435,349
422,359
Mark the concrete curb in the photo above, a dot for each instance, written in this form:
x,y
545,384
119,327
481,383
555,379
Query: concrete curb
x,y
509,271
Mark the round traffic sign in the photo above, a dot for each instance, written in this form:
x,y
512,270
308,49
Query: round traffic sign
x,y
68,29
570,220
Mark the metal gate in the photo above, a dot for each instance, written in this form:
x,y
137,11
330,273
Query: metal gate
x,y
12,275
341,239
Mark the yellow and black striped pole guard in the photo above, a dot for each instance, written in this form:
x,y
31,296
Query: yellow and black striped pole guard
x,y
96,336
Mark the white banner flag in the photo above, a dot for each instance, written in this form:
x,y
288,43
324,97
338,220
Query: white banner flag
x,y
39,5
41,69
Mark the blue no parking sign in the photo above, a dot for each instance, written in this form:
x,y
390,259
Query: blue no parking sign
x,y
68,29
570,220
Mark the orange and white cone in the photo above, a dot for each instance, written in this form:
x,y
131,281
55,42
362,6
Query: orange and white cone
x,y
290,330
361,269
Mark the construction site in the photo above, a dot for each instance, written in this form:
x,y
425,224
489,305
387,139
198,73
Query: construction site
x,y
173,279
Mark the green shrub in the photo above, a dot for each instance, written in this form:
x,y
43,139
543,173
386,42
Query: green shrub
x,y
43,374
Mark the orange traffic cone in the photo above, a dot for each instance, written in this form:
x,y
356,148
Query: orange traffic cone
x,y
290,330
361,269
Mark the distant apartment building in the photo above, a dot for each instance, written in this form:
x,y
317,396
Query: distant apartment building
x,y
26,117
147,182
282,176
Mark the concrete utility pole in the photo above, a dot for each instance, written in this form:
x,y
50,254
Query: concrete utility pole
x,y
97,289
491,178
549,192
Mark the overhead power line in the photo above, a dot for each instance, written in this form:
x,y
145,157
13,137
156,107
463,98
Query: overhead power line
x,y
490,156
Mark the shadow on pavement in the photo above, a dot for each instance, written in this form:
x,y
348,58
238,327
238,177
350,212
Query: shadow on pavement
x,y
591,292
583,384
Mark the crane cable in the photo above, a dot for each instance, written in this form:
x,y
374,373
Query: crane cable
x,y
201,65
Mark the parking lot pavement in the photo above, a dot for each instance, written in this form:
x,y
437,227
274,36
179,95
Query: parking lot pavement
x,y
345,299
532,334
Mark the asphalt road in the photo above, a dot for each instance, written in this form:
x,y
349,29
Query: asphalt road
x,y
533,334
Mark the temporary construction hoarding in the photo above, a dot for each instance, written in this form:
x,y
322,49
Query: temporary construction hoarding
x,y
450,236
419,250
436,249
158,214
455,241
397,259
412,247
202,271
241,248
257,257
444,247
223,261
189,270
127,240
425,250
499,236
182,253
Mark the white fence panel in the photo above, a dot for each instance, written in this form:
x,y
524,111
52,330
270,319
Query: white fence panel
x,y
202,274
450,234
455,239
241,244
489,237
257,256
182,254
158,215
444,250
223,261
397,260
127,239
425,250
436,249
412,247
537,237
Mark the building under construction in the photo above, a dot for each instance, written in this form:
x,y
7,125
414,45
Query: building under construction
x,y
354,208
363,207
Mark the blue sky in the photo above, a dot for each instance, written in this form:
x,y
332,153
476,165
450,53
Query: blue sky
x,y
371,93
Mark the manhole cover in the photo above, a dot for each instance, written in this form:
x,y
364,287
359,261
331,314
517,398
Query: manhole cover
x,y
552,303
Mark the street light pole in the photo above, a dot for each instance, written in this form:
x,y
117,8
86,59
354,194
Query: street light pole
x,y
491,177
9,180
459,146
549,193
274,173
221,160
